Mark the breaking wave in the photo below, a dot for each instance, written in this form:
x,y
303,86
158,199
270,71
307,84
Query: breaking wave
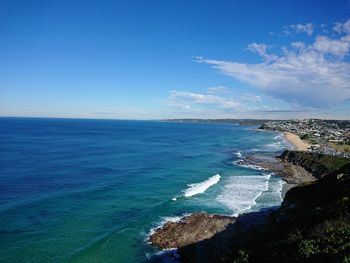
x,y
240,192
199,188
276,145
162,222
249,166
238,154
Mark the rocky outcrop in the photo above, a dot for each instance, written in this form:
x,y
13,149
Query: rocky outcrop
x,y
189,230
291,173
263,127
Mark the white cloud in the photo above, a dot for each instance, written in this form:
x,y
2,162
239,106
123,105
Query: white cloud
x,y
342,27
207,103
218,89
250,98
298,45
203,99
261,50
299,28
337,47
313,75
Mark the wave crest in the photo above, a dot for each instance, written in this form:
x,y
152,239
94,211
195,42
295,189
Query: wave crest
x,y
238,154
200,188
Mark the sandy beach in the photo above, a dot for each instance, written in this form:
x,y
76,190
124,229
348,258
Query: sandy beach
x,y
295,140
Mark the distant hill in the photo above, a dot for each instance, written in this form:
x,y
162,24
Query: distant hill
x,y
232,121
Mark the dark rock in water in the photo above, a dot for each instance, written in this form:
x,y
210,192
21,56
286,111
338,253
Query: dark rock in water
x,y
220,245
290,172
189,230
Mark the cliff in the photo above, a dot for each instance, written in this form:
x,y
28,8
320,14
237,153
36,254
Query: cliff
x,y
317,164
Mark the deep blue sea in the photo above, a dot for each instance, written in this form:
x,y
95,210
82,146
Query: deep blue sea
x,y
92,190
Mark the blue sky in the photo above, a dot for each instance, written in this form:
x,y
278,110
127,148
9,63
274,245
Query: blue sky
x,y
175,59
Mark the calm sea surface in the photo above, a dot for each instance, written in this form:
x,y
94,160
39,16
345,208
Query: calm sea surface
x,y
92,190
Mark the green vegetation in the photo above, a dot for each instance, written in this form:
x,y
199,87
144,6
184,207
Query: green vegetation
x,y
313,223
341,147
304,137
318,164
331,237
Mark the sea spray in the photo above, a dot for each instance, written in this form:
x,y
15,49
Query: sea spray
x,y
238,154
248,166
199,188
240,192
163,220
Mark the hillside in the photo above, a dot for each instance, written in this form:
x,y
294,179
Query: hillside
x,y
317,164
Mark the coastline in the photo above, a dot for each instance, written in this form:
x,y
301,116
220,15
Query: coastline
x,y
295,140
202,237
195,227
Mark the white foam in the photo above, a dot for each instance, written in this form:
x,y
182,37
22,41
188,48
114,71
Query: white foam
x,y
268,175
282,142
238,154
249,166
255,150
240,192
275,145
278,137
199,188
280,188
272,197
162,222
166,255
173,219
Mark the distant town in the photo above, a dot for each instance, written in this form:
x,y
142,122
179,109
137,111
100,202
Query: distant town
x,y
331,137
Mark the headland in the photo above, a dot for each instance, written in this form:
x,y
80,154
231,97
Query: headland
x,y
312,224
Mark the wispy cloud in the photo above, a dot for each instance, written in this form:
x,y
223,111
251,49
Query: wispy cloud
x,y
311,74
218,90
261,50
184,97
218,104
344,27
299,28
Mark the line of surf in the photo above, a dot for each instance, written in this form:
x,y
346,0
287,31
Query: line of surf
x,y
199,188
241,192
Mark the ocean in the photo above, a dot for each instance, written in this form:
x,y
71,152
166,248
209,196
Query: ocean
x,y
77,190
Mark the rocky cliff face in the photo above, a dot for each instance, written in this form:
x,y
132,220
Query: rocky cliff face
x,y
317,164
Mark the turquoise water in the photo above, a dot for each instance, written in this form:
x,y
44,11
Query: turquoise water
x,y
92,190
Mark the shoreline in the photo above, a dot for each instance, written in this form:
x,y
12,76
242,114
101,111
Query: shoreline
x,y
168,233
166,236
295,140
191,236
